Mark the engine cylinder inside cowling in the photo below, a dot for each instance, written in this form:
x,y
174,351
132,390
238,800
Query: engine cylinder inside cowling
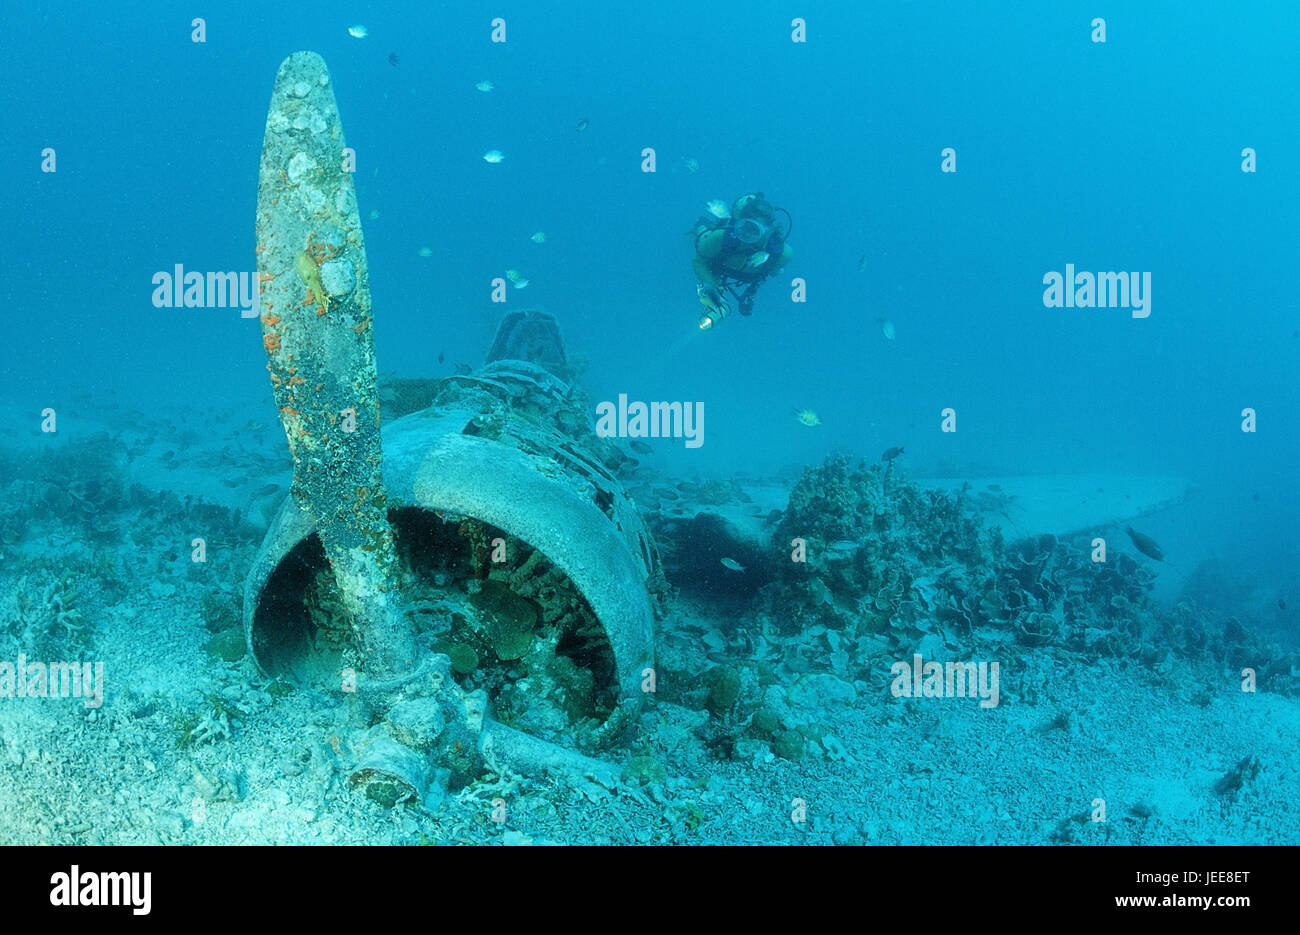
x,y
509,619
520,557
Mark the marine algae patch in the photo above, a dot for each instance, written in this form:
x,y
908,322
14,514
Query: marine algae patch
x,y
309,273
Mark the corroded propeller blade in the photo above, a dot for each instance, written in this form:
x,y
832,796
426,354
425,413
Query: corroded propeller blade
x,y
316,327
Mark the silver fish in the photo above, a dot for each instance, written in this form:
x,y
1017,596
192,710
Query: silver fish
x,y
732,564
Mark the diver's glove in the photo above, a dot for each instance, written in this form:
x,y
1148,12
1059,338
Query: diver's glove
x,y
712,300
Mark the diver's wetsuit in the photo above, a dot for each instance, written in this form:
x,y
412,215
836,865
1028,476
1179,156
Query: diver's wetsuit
x,y
721,256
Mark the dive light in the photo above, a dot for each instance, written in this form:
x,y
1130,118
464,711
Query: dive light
x,y
711,299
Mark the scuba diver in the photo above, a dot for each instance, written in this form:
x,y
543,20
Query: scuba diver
x,y
740,246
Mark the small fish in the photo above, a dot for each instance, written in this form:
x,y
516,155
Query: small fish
x,y
425,251
711,298
358,32
462,369
1281,603
758,259
844,545
265,491
1145,544
229,482
516,280
886,328
539,237
374,215
582,125
493,156
891,453
485,86
393,59
640,447
718,208
442,355
862,263
692,165
732,564
807,417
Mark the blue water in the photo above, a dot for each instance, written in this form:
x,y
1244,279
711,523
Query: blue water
x,y
1124,155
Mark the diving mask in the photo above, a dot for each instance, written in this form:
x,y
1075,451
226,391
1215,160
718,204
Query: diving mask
x,y
751,232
